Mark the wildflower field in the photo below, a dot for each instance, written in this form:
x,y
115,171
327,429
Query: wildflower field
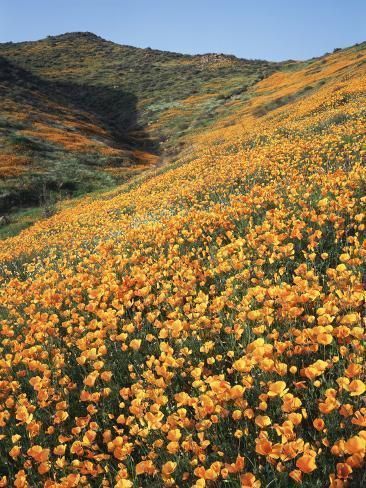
x,y
202,325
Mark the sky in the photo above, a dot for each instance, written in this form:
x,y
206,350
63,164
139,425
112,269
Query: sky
x,y
256,29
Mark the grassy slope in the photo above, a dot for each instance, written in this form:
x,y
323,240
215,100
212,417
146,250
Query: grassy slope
x,y
202,325
161,81
46,140
80,113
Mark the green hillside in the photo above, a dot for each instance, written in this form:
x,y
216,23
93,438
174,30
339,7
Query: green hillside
x,y
109,78
79,113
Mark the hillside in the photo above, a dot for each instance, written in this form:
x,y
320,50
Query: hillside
x,y
79,113
175,93
204,323
49,144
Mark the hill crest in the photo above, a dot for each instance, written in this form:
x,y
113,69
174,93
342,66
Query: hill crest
x,y
125,109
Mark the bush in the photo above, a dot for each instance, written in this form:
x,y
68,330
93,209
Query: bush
x,y
22,142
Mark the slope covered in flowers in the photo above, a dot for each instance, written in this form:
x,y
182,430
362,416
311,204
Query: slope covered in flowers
x,y
203,326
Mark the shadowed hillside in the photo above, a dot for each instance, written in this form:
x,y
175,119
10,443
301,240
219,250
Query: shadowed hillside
x,y
57,140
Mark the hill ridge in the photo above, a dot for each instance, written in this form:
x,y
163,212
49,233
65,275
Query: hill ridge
x,y
138,109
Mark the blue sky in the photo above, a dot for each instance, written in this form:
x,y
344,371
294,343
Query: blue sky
x,y
266,29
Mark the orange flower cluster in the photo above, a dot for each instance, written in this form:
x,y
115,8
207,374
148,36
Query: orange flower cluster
x,y
12,165
204,327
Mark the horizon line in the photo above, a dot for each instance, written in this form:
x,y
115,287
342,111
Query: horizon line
x,y
182,53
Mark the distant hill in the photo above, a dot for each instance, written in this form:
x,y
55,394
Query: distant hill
x,y
108,78
80,113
